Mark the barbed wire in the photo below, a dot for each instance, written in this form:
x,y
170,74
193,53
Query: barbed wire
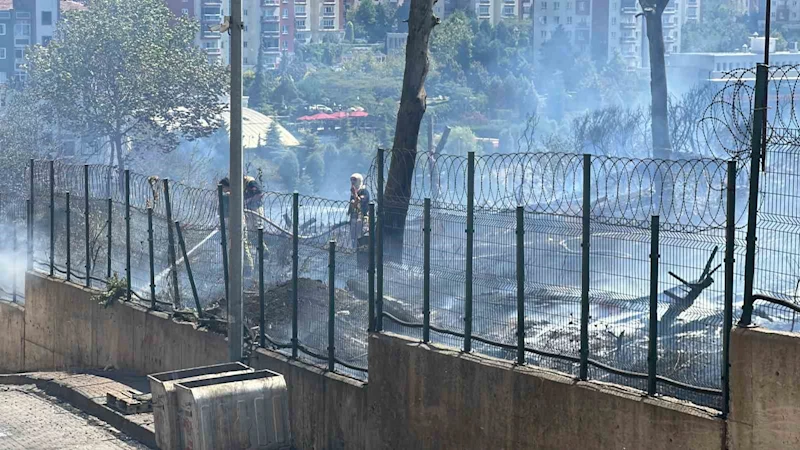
x,y
726,125
688,194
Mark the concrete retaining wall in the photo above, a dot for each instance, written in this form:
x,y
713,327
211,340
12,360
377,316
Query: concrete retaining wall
x,y
66,329
424,398
331,410
420,397
12,343
63,328
765,389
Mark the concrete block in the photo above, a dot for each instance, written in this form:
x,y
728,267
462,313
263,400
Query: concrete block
x,y
12,344
431,398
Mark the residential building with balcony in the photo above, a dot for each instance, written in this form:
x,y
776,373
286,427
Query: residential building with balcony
x,y
496,10
208,13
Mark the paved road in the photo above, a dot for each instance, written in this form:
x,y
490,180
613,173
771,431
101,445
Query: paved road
x,y
31,420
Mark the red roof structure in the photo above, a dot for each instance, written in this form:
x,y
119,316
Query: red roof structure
x,y
334,116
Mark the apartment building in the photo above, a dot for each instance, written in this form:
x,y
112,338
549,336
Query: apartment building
x,y
496,10
607,27
24,23
209,13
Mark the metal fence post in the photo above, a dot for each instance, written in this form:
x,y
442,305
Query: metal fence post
x,y
730,243
371,270
752,206
171,253
31,208
261,318
14,273
108,236
151,257
128,234
29,233
652,344
182,243
295,269
52,219
381,213
331,305
86,225
426,272
69,236
585,243
520,285
224,239
470,244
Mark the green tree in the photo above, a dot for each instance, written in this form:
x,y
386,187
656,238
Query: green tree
x,y
451,43
285,92
349,32
272,142
289,169
365,18
721,30
315,169
128,70
461,141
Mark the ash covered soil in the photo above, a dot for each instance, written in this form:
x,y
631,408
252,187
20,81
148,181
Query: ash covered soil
x,y
312,298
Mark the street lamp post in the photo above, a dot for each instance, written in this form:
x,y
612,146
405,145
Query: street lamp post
x,y
236,206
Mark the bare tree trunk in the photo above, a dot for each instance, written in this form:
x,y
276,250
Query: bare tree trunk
x,y
662,147
409,118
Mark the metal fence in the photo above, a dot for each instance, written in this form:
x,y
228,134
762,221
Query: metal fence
x,y
564,279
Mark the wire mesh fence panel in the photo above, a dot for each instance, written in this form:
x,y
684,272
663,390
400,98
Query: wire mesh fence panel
x,y
777,272
619,298
552,290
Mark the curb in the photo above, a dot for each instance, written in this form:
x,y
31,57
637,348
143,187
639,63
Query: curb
x,y
87,405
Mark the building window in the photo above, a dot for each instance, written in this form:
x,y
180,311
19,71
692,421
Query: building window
x,y
300,24
46,40
300,10
328,10
613,21
483,10
2,53
185,11
47,17
569,20
22,29
285,13
285,45
543,20
245,12
556,5
544,34
5,15
544,6
23,15
19,53
285,29
244,44
675,48
508,10
557,19
569,5
245,59
327,24
2,29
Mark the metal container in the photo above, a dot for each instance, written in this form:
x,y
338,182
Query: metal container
x,y
241,411
165,400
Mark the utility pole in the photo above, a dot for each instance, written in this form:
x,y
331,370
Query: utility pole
x,y
236,205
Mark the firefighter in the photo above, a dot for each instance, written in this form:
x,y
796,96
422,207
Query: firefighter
x,y
253,201
358,208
